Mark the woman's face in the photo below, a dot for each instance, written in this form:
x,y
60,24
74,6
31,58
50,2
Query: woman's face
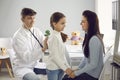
x,y
59,26
84,23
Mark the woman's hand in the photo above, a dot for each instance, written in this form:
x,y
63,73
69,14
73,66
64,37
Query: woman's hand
x,y
68,71
72,75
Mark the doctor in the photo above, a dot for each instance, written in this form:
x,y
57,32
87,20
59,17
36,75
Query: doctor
x,y
27,48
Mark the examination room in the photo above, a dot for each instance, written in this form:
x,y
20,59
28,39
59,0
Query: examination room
x,y
59,39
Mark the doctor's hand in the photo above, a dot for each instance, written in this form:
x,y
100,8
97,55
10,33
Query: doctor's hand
x,y
72,75
68,71
45,45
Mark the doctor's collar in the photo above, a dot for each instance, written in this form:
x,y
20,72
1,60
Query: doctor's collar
x,y
28,28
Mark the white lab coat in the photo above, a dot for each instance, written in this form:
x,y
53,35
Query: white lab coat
x,y
27,50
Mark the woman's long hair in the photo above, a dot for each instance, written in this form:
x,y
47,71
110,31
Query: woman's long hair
x,y
93,29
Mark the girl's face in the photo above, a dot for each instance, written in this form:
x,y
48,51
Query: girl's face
x,y
84,23
59,26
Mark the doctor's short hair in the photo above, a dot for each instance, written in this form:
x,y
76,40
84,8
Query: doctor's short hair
x,y
27,12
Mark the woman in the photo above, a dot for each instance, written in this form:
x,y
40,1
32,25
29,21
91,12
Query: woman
x,y
93,49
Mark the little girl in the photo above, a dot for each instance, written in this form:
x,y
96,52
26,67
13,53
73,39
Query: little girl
x,y
57,63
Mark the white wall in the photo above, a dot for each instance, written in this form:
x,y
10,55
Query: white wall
x,y
10,13
104,10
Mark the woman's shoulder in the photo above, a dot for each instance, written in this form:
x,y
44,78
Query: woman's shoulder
x,y
95,39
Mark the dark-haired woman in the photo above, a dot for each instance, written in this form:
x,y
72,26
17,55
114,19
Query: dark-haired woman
x,y
93,49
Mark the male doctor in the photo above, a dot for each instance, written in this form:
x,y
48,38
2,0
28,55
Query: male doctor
x,y
27,47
